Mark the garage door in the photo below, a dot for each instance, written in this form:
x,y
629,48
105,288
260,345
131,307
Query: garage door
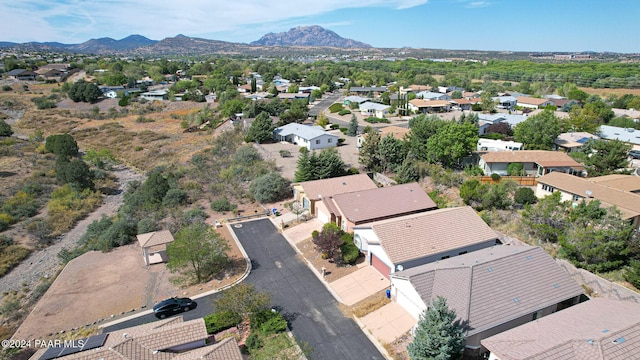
x,y
380,266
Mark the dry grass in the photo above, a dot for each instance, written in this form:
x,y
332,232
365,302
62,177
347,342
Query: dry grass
x,y
606,92
370,304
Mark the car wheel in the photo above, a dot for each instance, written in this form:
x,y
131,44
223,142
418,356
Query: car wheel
x,y
162,316
186,308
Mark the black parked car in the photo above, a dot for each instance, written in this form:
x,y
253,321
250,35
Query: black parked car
x,y
173,306
634,154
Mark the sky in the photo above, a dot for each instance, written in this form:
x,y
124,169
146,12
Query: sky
x,y
508,25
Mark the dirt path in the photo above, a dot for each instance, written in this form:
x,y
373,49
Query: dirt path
x,y
45,263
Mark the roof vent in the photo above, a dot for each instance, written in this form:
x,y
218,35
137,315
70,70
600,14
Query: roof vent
x,y
605,331
619,340
515,300
124,335
344,183
590,341
589,193
555,286
490,269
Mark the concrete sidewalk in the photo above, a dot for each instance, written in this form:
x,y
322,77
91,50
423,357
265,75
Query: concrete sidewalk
x,y
302,231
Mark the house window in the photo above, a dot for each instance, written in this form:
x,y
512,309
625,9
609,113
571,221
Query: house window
x,y
576,198
317,142
537,314
329,140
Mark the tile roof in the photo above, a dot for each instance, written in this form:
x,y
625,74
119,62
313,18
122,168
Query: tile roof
x,y
590,330
627,202
145,342
415,236
226,349
495,285
465,101
355,98
619,181
306,132
396,131
381,203
154,238
540,157
317,189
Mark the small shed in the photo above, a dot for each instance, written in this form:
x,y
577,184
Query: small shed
x,y
154,246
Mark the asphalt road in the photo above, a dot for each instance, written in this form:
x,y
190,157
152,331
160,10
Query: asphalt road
x,y
311,310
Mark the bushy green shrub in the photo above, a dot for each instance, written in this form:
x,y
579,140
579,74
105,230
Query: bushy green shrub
x,y
222,204
268,322
375,120
253,341
524,195
221,320
495,177
349,250
6,88
344,112
174,197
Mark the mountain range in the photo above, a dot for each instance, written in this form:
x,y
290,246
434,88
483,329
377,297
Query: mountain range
x,y
308,36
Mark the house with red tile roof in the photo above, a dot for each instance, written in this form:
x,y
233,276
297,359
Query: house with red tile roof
x,y
429,106
413,240
491,290
598,329
356,208
535,162
311,193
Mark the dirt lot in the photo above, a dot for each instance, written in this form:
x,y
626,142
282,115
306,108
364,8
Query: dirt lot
x,y
91,288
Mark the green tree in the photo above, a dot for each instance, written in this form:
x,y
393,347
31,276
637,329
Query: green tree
x,y
261,129
538,132
546,220
270,187
329,241
598,239
63,145
487,104
604,157
369,153
353,126
438,335
524,196
452,142
330,164
422,128
231,107
306,169
391,153
75,173
242,299
197,253
408,171
515,169
5,129
457,94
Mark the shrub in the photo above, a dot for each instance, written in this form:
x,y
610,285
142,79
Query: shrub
x,y
285,153
515,169
495,177
349,250
374,120
341,141
270,187
138,148
6,88
315,233
268,322
11,256
221,320
344,112
222,204
142,119
335,126
253,341
524,195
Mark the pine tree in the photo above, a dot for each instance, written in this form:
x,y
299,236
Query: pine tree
x,y
439,335
353,126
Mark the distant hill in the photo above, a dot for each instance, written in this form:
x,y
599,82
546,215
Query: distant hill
x,y
104,45
309,36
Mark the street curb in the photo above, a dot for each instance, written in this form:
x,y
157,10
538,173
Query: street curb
x,y
201,295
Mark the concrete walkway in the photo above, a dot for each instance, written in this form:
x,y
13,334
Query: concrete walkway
x,y
359,285
388,323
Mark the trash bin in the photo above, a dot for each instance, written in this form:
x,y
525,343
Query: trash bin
x,y
388,294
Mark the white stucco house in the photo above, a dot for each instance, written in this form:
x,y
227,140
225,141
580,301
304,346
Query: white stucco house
x,y
374,109
309,136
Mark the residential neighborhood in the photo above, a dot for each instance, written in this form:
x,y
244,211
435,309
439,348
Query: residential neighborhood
x,y
230,207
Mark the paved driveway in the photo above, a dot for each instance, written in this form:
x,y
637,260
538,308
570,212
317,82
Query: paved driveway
x,y
389,322
359,285
313,313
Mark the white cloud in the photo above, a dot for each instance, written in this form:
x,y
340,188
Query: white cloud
x,y
77,20
478,4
